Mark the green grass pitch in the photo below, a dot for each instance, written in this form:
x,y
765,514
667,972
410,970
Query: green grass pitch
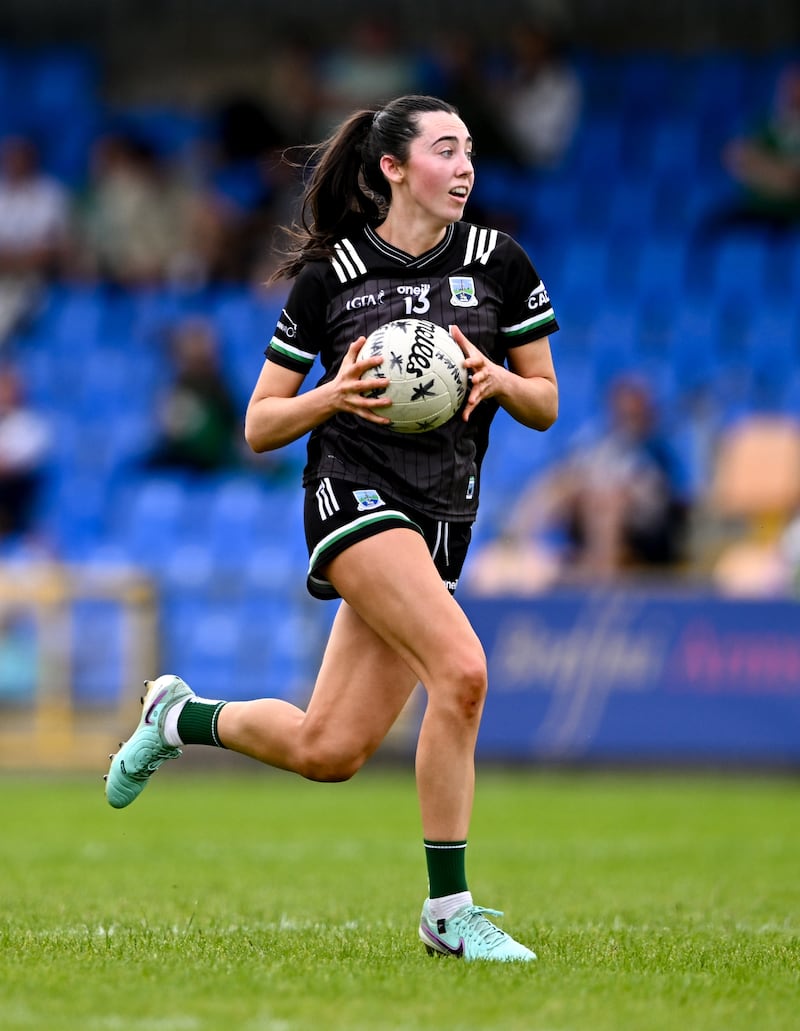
x,y
262,903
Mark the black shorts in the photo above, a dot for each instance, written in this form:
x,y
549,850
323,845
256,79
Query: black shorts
x,y
338,514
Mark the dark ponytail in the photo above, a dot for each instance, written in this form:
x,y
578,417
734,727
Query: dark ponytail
x,y
347,187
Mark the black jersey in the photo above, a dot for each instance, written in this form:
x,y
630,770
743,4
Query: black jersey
x,y
478,279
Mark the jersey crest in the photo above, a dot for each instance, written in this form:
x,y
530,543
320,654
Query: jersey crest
x,y
462,292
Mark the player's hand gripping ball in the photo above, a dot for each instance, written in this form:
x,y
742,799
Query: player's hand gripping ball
x,y
425,367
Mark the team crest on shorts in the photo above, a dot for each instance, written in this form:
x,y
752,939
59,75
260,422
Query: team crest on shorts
x,y
462,292
368,499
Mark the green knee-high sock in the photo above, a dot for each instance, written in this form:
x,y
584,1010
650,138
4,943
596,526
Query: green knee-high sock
x,y
197,723
446,867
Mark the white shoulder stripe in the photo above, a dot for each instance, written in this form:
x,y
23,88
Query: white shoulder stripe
x,y
347,264
359,264
480,244
473,232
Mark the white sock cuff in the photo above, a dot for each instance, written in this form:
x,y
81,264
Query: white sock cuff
x,y
170,731
444,907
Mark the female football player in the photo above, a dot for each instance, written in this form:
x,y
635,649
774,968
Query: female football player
x,y
387,515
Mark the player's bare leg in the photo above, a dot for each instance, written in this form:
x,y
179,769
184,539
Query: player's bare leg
x,y
409,629
398,625
423,623
392,582
361,688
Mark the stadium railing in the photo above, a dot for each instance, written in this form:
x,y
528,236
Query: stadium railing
x,y
64,674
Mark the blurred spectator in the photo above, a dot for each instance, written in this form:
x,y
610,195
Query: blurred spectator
x,y
614,505
25,441
752,503
249,186
34,230
766,167
789,552
464,68
199,421
540,95
371,68
292,89
141,224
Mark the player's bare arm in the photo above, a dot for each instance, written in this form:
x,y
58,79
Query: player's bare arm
x,y
278,414
528,391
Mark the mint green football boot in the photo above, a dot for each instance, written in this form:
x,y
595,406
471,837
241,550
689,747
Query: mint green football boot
x,y
468,935
145,750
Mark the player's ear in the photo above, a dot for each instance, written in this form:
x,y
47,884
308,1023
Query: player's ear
x,y
391,168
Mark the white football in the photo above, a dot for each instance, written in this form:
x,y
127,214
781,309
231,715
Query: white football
x,y
425,366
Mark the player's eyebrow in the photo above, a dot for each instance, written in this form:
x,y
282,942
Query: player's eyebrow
x,y
450,139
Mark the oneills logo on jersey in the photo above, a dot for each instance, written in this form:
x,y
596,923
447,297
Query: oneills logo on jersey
x,y
462,292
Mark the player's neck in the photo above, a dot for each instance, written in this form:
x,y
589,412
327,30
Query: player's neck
x,y
414,236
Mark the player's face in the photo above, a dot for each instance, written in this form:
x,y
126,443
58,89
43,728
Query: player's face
x,y
438,175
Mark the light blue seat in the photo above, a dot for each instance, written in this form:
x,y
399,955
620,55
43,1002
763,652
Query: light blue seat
x,y
150,520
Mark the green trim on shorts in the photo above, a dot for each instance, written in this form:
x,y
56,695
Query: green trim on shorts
x,y
354,527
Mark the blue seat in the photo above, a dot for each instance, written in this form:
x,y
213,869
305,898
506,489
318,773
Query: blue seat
x,y
659,265
674,147
173,132
237,648
61,80
614,344
739,266
629,206
693,346
73,512
717,85
187,568
201,646
556,200
597,152
647,83
152,520
773,346
72,320
584,275
99,647
59,86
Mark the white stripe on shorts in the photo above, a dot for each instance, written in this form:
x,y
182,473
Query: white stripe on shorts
x,y
326,499
442,540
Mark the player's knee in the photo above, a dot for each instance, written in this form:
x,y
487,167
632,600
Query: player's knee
x,y
467,682
330,765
